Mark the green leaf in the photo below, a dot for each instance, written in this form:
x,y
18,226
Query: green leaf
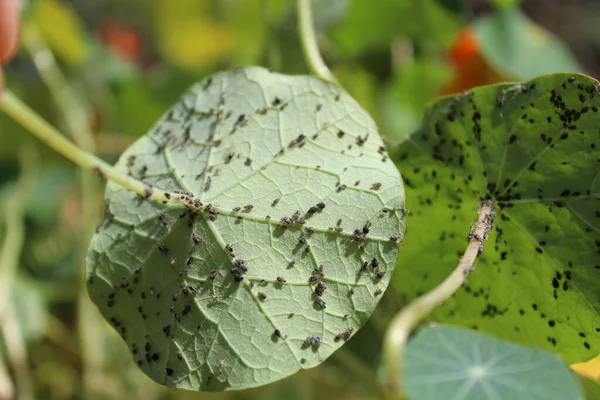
x,y
517,46
589,387
537,281
443,362
279,145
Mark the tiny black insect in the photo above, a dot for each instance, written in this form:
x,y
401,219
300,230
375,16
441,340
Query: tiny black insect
x,y
364,266
320,303
374,263
277,333
380,274
302,239
321,205
163,249
320,289
196,239
281,279
262,296
239,278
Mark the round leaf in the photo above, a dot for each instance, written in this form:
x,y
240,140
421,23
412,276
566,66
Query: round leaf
x,y
443,362
267,277
532,149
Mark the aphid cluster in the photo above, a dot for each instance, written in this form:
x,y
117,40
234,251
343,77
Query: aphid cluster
x,y
314,341
344,335
239,269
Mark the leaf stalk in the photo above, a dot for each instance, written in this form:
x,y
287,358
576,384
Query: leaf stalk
x,y
413,314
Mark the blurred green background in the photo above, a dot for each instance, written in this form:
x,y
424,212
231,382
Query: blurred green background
x,y
103,71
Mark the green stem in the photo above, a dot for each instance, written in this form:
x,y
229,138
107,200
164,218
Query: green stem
x,y
41,129
309,41
412,315
69,105
75,116
10,254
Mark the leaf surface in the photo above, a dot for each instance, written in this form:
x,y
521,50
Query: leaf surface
x,y
271,158
444,362
533,149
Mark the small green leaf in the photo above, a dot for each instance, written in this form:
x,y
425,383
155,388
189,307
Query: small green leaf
x,y
286,169
532,149
443,362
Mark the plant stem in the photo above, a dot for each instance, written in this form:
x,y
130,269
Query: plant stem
x,y
309,41
10,254
41,129
74,114
69,105
10,250
412,315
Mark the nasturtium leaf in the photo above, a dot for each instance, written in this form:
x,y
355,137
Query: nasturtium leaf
x,y
295,187
518,47
444,362
533,149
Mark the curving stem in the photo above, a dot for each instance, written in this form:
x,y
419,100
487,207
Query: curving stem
x,y
413,314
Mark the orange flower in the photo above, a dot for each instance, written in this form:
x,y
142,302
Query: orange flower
x,y
470,67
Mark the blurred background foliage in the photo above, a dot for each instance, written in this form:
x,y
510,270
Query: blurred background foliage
x,y
104,71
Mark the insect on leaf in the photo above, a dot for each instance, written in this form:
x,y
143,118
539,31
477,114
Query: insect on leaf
x,y
288,194
444,362
533,149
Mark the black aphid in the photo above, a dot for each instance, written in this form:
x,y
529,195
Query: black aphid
x,y
163,249
281,279
302,239
320,303
364,266
380,274
262,296
320,289
321,205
